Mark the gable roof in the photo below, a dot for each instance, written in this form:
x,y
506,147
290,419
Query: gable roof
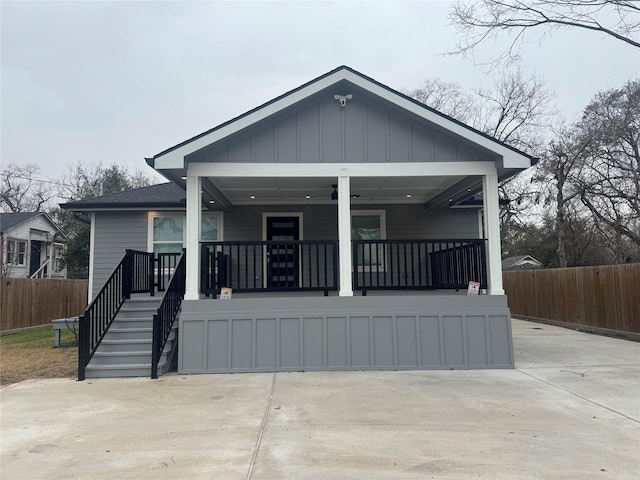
x,y
520,261
173,157
11,220
163,195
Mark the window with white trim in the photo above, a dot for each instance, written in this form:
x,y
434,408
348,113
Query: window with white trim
x,y
369,225
16,252
166,231
58,251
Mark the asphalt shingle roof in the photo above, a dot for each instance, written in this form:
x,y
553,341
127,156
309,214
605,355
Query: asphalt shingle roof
x,y
154,196
10,220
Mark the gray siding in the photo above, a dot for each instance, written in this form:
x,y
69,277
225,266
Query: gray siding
x,y
117,231
350,333
114,233
410,221
320,130
405,222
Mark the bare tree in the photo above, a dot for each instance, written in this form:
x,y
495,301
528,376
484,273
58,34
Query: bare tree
x,y
447,97
610,179
557,176
516,109
485,20
22,191
83,181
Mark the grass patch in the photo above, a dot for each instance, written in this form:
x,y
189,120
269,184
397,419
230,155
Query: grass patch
x,y
31,354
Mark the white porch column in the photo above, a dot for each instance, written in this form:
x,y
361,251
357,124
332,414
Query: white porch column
x,y
492,230
192,237
344,236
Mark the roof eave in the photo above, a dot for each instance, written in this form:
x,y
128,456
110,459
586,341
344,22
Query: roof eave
x,y
173,158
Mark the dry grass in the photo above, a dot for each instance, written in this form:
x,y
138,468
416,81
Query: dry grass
x,y
31,354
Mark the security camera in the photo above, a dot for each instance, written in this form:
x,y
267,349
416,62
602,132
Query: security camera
x,y
343,99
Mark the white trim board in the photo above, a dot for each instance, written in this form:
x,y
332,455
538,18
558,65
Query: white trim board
x,y
292,170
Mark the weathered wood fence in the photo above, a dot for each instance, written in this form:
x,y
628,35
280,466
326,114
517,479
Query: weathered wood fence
x,y
26,302
606,297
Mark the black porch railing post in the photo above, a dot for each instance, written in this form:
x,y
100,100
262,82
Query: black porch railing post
x,y
205,268
128,274
484,283
354,261
335,265
83,348
152,280
155,345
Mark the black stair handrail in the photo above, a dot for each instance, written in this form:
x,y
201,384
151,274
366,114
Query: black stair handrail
x,y
167,312
128,277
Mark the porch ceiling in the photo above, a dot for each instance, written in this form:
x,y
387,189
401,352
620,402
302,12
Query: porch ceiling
x,y
317,190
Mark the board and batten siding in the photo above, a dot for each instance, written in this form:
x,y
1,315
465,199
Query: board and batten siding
x,y
345,333
320,130
115,232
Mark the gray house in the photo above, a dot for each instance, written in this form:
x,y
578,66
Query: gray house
x,y
334,216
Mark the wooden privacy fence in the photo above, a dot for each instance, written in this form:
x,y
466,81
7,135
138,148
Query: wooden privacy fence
x,y
27,302
602,297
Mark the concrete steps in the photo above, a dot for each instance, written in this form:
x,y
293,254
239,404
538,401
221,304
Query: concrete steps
x,y
125,350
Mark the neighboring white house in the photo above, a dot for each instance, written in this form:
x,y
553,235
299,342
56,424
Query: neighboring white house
x,y
31,245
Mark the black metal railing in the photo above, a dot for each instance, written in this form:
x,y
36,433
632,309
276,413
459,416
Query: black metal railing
x,y
168,310
165,264
418,264
137,272
295,265
140,271
132,275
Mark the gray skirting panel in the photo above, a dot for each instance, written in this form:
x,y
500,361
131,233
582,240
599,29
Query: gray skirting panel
x,y
345,333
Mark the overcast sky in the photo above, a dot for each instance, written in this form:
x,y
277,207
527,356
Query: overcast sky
x,y
120,81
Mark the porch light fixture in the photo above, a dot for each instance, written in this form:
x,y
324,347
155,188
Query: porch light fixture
x,y
307,196
408,195
252,196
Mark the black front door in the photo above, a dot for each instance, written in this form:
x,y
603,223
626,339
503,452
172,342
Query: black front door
x,y
282,258
34,262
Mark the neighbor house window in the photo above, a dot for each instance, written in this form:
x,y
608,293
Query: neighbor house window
x,y
58,250
369,225
16,252
167,231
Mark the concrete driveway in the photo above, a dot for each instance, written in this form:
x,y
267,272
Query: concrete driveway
x,y
570,410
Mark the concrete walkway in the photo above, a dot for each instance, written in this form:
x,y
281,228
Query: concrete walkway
x,y
571,410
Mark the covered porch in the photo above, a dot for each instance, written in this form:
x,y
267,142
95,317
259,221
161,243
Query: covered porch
x,y
342,188
289,235
337,301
